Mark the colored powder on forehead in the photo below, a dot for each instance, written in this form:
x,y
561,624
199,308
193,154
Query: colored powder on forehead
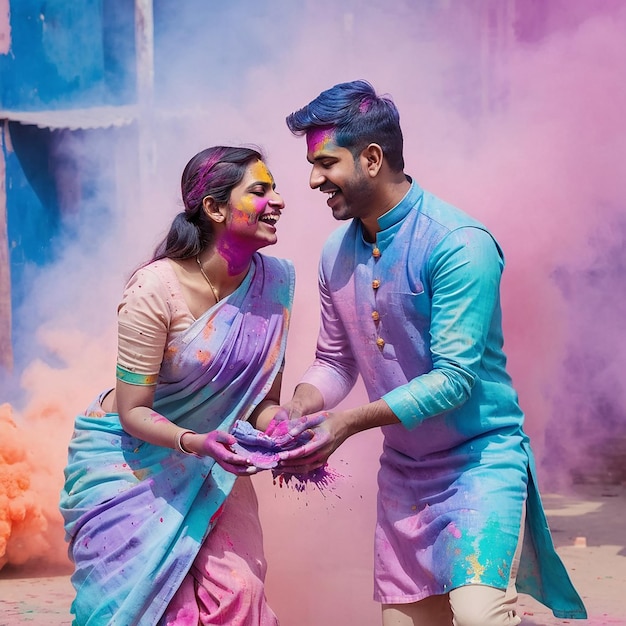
x,y
260,173
319,139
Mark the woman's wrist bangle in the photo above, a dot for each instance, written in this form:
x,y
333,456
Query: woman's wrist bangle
x,y
178,444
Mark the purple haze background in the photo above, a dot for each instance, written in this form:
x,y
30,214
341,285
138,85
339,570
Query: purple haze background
x,y
513,111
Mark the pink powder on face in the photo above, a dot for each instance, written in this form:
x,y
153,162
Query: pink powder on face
x,y
319,139
245,208
250,206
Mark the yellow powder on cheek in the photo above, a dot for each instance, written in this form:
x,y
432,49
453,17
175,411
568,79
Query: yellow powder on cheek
x,y
248,206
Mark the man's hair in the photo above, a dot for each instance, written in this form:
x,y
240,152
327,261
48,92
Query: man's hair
x,y
358,116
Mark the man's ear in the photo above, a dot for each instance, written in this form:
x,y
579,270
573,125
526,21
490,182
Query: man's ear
x,y
214,210
372,159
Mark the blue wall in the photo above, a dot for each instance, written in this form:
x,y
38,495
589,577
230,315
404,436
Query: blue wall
x,y
68,54
64,55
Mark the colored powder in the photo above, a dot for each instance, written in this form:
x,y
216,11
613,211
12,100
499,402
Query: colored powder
x,y
21,514
323,478
454,531
262,451
255,445
319,139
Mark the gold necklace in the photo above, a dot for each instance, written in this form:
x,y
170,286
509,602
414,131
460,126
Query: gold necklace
x,y
213,289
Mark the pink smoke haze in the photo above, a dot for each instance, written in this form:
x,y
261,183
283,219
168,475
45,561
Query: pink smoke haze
x,y
513,111
5,27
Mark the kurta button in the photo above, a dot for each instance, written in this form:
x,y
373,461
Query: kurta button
x,y
380,342
375,283
375,316
376,253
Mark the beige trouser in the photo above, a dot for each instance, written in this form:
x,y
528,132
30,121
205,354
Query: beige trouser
x,y
470,605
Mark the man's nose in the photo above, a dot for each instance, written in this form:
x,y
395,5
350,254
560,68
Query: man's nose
x,y
316,178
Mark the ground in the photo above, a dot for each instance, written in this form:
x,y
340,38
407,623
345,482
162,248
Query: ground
x,y
588,526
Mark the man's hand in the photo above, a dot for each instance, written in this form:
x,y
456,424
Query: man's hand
x,y
278,429
325,432
289,429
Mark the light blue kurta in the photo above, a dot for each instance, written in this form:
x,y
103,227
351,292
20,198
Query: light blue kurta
x,y
417,314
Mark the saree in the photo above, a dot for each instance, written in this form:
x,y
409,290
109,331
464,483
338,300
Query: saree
x,y
137,514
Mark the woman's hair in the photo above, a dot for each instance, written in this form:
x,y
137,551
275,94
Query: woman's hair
x,y
213,172
358,116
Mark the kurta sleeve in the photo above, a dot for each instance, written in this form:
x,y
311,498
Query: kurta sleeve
x,y
464,275
334,371
143,323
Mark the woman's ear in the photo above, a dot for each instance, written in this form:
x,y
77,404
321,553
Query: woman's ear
x,y
372,159
214,210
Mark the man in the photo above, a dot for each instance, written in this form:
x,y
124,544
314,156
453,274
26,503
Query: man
x,y
409,290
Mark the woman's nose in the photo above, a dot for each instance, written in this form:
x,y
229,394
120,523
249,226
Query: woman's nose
x,y
277,200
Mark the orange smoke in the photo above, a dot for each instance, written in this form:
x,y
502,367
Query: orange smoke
x,y
24,527
33,448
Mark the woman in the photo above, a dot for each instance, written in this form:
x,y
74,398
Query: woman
x,y
159,511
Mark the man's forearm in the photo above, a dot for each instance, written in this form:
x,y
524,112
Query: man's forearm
x,y
368,416
306,399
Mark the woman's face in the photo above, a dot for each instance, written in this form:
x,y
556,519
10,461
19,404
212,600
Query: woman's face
x,y
252,213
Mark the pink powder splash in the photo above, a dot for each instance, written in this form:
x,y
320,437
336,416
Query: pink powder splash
x,y
323,478
262,451
454,531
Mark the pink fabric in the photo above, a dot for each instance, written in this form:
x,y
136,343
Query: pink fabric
x,y
225,583
152,311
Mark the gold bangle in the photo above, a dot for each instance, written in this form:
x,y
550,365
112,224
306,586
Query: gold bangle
x,y
178,445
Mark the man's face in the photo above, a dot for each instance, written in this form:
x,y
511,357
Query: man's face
x,y
335,172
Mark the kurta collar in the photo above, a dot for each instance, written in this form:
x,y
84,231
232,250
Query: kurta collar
x,y
401,210
390,221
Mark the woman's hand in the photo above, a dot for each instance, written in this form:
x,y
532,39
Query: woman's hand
x,y
217,444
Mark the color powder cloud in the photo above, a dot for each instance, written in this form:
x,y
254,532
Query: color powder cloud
x,y
511,110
